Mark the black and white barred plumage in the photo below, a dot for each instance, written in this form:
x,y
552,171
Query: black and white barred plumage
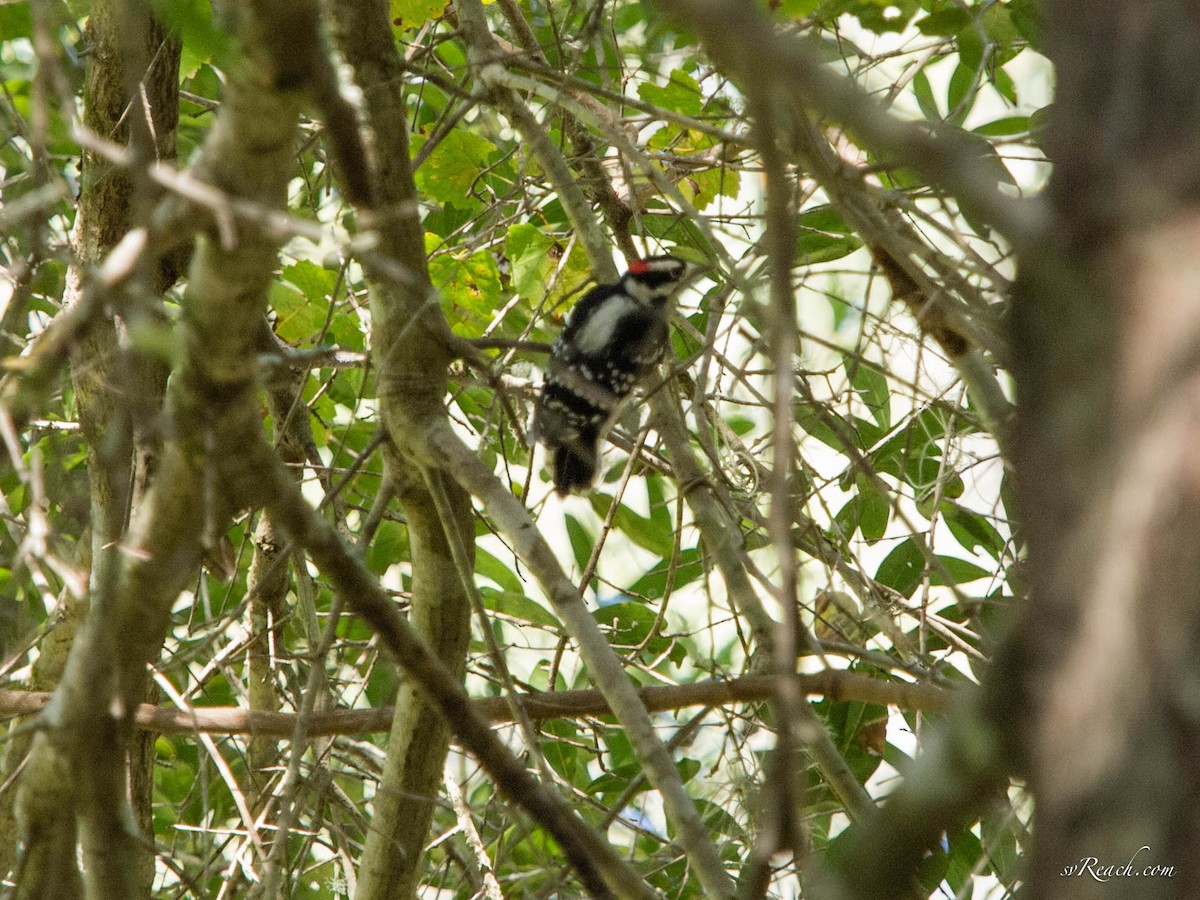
x,y
614,337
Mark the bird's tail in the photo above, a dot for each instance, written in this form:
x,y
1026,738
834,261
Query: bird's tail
x,y
575,462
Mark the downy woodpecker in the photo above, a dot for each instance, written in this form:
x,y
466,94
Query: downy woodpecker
x,y
614,338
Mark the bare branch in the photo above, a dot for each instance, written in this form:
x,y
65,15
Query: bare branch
x,y
601,869
487,60
743,41
835,684
448,452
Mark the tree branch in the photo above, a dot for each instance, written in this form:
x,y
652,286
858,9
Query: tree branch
x,y
487,60
598,865
448,452
835,684
742,40
412,375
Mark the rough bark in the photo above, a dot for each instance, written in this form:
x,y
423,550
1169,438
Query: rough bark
x,y
1092,695
267,585
1108,376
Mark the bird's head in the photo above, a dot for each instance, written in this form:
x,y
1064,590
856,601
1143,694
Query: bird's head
x,y
656,278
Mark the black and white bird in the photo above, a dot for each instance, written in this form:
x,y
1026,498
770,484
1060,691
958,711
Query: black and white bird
x,y
614,338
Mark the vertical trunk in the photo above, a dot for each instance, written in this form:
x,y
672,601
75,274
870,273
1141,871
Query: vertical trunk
x,y
1109,389
118,394
419,738
411,359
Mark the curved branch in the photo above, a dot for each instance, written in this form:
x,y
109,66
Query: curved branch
x,y
412,382
212,405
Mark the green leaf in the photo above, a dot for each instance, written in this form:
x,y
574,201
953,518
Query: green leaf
x,y
687,769
1026,17
688,567
1002,82
469,287
844,314
868,511
346,329
971,46
972,530
680,94
903,568
411,14
847,518
797,9
622,761
944,22
630,624
539,678
203,42
562,755
581,541
382,685
297,318
986,154
703,187
960,571
871,384
1000,28
670,227
1006,126
961,94
823,236
518,606
1039,119
1001,842
846,720
313,281
818,422
491,567
646,533
15,21
966,854
175,779
923,91
528,252
873,517
450,171
609,786
834,431
932,870
913,455
883,16
718,820
659,513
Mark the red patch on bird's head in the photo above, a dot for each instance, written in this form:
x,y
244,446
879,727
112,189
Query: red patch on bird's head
x,y
639,266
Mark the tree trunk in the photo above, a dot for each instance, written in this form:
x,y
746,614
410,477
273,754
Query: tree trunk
x,y
408,340
1109,389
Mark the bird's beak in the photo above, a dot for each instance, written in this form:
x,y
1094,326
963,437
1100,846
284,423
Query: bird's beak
x,y
692,273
